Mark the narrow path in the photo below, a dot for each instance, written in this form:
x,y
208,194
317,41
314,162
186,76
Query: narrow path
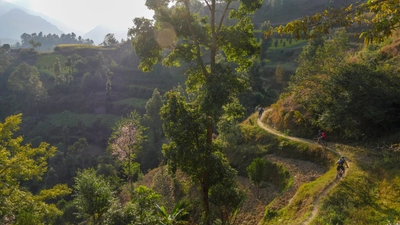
x,y
277,133
316,203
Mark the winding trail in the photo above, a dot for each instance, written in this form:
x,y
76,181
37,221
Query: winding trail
x,y
316,203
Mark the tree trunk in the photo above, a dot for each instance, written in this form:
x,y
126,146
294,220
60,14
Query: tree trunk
x,y
206,207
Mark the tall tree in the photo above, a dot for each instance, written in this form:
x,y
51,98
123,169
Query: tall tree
x,y
198,32
144,200
280,76
59,77
35,44
109,75
70,65
266,42
93,195
25,80
126,141
22,162
152,120
109,40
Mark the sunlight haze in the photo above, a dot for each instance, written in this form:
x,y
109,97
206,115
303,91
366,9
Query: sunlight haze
x,y
84,15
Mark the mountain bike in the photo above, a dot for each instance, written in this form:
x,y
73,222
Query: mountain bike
x,y
260,112
318,140
339,174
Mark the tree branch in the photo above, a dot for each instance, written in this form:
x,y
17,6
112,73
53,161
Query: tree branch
x,y
196,42
223,16
208,4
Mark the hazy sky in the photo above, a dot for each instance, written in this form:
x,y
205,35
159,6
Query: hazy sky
x,y
84,15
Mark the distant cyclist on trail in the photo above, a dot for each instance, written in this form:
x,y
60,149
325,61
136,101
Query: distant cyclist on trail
x,y
341,163
260,112
322,135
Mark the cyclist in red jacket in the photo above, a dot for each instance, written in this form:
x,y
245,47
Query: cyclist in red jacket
x,y
322,135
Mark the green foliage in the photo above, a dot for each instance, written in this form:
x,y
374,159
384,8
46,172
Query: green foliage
x,y
25,80
143,205
45,62
366,104
47,42
59,77
5,62
189,151
109,40
366,199
257,171
350,99
151,155
172,218
185,125
93,195
78,156
19,163
227,199
229,132
211,83
135,102
379,23
68,118
280,45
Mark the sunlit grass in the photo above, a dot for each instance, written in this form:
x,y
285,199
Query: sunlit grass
x,y
77,46
301,206
45,62
63,47
287,45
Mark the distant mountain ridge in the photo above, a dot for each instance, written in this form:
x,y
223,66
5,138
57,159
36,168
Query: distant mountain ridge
x,y
15,22
5,7
99,32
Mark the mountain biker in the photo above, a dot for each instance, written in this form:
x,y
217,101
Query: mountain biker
x,y
340,164
322,135
260,111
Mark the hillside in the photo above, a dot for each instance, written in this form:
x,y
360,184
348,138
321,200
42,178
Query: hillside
x,y
84,99
312,194
87,137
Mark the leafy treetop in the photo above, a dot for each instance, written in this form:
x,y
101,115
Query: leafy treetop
x,y
380,17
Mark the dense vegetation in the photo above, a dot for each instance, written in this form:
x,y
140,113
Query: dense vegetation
x,y
88,138
351,93
47,42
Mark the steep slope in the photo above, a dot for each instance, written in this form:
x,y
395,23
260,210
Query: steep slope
x,y
293,189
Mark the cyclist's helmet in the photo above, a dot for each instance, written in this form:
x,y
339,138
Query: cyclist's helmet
x,y
342,157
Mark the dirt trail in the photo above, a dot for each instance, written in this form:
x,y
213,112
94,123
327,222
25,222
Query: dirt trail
x,y
316,203
277,133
